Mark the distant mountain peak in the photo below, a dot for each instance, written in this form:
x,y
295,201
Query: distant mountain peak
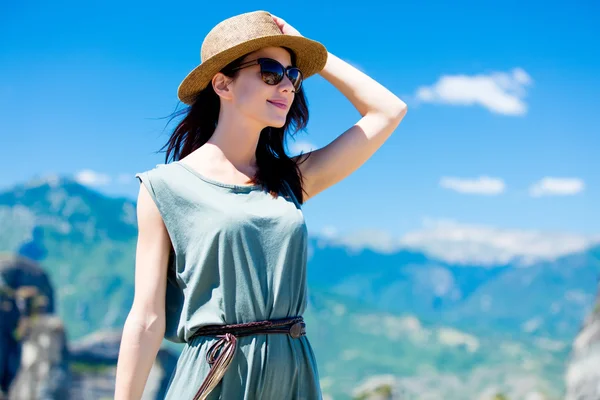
x,y
52,180
467,244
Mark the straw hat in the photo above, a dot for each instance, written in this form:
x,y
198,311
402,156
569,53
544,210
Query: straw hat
x,y
243,34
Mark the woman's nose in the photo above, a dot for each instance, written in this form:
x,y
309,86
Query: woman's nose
x,y
286,83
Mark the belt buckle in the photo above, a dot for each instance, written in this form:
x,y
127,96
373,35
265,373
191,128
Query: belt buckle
x,y
297,330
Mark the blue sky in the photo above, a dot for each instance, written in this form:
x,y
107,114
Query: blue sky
x,y
502,130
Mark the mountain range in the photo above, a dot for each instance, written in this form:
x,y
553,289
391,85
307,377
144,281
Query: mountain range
x,y
437,325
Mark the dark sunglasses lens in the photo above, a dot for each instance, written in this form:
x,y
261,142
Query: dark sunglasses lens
x,y
296,77
272,72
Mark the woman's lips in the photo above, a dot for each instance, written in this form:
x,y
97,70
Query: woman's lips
x,y
278,105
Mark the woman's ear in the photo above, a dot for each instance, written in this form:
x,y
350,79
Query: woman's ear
x,y
220,83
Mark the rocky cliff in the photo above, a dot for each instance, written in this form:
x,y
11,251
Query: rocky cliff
x,y
583,372
36,360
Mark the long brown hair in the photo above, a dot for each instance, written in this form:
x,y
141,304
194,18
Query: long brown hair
x,y
273,164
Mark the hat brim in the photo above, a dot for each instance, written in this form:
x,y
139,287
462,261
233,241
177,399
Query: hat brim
x,y
311,57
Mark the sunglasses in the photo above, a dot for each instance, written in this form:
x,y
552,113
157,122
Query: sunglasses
x,y
272,72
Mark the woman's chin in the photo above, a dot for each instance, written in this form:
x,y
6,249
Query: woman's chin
x,y
277,123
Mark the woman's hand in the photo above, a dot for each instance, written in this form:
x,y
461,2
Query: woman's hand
x,y
286,28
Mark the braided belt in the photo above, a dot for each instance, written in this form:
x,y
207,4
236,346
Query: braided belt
x,y
227,342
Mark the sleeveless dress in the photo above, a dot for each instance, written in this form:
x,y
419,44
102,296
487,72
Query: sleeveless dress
x,y
239,255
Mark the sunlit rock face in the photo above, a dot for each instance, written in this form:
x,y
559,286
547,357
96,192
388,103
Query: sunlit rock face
x,y
34,340
583,372
44,370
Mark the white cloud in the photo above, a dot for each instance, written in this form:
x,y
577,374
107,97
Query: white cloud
x,y
471,243
550,186
468,244
301,146
484,185
499,92
92,178
374,239
329,231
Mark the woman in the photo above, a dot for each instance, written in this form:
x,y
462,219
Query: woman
x,y
222,245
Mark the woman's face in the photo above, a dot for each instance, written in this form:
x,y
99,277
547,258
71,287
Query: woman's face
x,y
253,97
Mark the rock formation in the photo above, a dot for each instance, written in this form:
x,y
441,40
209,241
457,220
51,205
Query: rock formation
x,y
583,372
25,295
37,363
44,370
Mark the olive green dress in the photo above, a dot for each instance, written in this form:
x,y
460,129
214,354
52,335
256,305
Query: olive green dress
x,y
239,255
